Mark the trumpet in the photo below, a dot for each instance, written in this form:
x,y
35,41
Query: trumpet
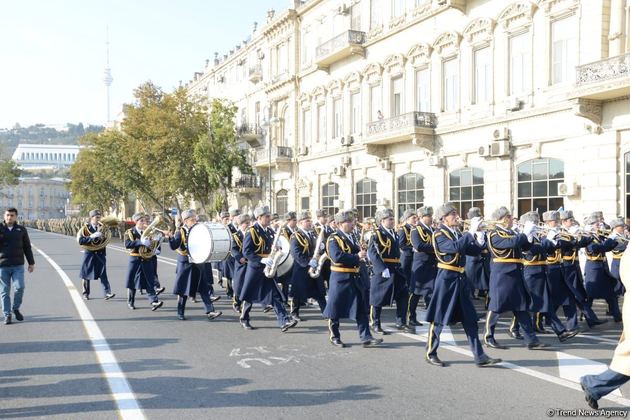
x,y
485,224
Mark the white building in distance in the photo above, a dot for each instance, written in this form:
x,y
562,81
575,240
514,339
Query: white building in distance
x,y
404,103
30,157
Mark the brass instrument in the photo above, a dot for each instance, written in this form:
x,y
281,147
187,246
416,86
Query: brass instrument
x,y
321,257
485,224
104,226
275,255
154,235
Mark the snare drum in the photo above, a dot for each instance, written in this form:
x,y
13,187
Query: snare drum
x,y
209,242
286,262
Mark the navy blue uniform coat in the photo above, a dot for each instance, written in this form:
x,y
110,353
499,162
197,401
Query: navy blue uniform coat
x,y
140,271
424,267
384,253
190,278
302,285
94,262
257,288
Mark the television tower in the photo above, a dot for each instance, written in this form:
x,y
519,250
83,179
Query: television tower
x,y
107,79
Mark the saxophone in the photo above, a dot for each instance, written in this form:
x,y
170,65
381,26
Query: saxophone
x,y
155,235
321,257
104,226
275,255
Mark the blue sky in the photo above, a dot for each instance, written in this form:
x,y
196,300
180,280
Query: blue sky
x,y
52,52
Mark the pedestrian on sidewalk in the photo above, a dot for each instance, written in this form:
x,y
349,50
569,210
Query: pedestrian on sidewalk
x,y
14,246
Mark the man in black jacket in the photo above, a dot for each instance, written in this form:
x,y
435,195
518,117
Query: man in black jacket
x,y
14,246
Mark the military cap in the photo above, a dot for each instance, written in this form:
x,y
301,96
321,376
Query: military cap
x,y
566,214
234,212
551,215
599,214
383,214
138,216
500,213
187,214
291,215
305,214
243,218
531,216
344,216
261,211
321,213
425,211
95,213
444,210
224,214
591,219
473,212
619,221
407,214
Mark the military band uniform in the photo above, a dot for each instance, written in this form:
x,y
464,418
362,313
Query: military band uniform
x,y
406,251
94,264
325,270
617,253
239,268
598,282
140,271
423,270
303,286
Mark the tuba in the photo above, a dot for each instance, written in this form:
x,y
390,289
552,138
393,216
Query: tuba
x,y
153,234
275,255
321,257
104,226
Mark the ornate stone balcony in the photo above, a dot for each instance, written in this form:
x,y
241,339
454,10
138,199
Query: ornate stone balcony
x,y
419,127
255,73
342,46
246,184
279,155
250,133
604,79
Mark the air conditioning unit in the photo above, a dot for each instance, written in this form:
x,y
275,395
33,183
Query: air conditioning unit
x,y
343,141
340,170
441,2
350,140
436,161
484,151
385,164
303,150
567,189
343,9
221,79
346,160
512,104
500,148
501,134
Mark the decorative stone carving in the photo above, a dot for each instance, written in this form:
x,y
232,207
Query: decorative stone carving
x,y
304,100
319,94
372,73
479,30
447,43
517,15
589,109
334,87
397,21
554,6
419,55
395,64
352,81
422,9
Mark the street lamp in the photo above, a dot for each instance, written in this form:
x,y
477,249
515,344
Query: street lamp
x,y
269,122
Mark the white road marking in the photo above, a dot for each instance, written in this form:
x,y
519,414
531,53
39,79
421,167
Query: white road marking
x,y
520,369
122,394
573,368
165,260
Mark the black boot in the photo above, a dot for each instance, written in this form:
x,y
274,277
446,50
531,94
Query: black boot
x,y
181,306
131,298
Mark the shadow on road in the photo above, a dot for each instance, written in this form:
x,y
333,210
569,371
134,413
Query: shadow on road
x,y
81,345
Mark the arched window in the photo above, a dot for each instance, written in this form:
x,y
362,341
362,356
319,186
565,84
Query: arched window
x,y
330,193
365,198
538,181
465,189
282,202
410,192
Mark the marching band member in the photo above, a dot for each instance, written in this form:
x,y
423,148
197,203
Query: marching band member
x,y
409,220
345,294
140,271
451,300
233,226
256,286
290,219
387,283
94,264
424,268
573,272
478,266
598,282
541,255
303,286
240,263
190,278
322,223
617,227
507,289
225,267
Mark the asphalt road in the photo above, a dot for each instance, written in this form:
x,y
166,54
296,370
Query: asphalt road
x,y
56,365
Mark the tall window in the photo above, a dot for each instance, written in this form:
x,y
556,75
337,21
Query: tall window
x,y
330,193
450,84
306,127
466,189
365,198
375,102
306,49
376,13
483,75
422,90
520,67
305,203
538,181
337,118
410,192
321,122
282,202
396,98
398,8
355,17
355,107
563,50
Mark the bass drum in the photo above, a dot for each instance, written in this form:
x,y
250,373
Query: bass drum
x,y
286,262
209,242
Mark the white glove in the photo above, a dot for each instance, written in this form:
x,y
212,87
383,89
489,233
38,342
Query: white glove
x,y
613,235
574,229
588,228
386,274
157,251
529,228
145,241
474,224
480,237
312,263
551,236
96,235
264,260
